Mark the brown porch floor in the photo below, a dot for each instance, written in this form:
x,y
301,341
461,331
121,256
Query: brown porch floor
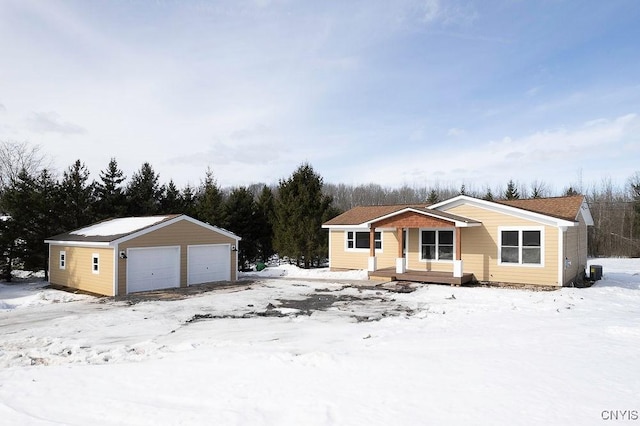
x,y
422,276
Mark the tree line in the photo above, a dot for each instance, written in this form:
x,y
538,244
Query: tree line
x,y
283,218
35,205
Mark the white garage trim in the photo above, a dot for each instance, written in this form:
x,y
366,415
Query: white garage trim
x,y
153,268
208,263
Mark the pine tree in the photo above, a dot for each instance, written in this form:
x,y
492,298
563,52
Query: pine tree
x,y
76,197
210,202
240,213
300,210
32,216
569,192
47,211
189,202
433,197
265,211
488,195
17,223
143,192
109,193
171,199
512,192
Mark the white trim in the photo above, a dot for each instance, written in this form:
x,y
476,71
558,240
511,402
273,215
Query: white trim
x,y
77,243
95,262
586,213
362,250
49,264
160,225
437,231
62,263
116,261
330,249
520,229
501,208
561,255
457,223
345,227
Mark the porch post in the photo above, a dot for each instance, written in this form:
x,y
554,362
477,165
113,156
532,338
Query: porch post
x,y
401,267
372,266
457,263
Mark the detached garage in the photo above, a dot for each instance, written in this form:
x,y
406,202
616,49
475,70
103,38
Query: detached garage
x,y
127,255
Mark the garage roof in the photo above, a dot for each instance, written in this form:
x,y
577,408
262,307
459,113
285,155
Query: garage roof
x,y
112,230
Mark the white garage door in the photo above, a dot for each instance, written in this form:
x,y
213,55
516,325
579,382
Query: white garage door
x,y
209,263
153,268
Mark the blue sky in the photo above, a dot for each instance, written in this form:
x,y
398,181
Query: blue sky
x,y
405,92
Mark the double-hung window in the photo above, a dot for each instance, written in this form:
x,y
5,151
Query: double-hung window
x,y
95,263
436,244
63,260
521,246
360,240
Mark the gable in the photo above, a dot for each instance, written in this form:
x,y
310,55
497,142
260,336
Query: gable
x,y
512,211
412,219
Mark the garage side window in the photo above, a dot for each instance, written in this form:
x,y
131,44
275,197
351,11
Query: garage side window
x,y
62,264
95,263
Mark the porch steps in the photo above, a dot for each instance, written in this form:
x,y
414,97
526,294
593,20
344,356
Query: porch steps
x,y
432,277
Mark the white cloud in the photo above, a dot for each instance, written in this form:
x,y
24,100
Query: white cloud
x,y
431,10
50,122
550,155
455,132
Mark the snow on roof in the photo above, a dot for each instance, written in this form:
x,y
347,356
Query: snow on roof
x,y
124,225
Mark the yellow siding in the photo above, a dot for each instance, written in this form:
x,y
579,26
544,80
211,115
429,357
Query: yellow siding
x,y
480,249
413,256
343,259
78,269
182,233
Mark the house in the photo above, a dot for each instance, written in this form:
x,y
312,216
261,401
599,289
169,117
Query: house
x,y
126,255
536,241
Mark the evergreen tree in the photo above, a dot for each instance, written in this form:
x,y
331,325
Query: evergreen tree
x,y
11,247
189,202
76,197
240,213
171,199
109,193
488,195
300,210
32,215
569,192
210,202
265,211
433,197
536,192
47,211
512,192
17,221
143,192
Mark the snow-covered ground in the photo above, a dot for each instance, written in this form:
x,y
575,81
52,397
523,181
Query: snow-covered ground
x,y
314,350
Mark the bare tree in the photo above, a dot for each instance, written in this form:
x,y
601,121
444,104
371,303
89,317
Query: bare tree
x,y
16,156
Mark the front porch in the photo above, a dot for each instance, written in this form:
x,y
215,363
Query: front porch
x,y
421,276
